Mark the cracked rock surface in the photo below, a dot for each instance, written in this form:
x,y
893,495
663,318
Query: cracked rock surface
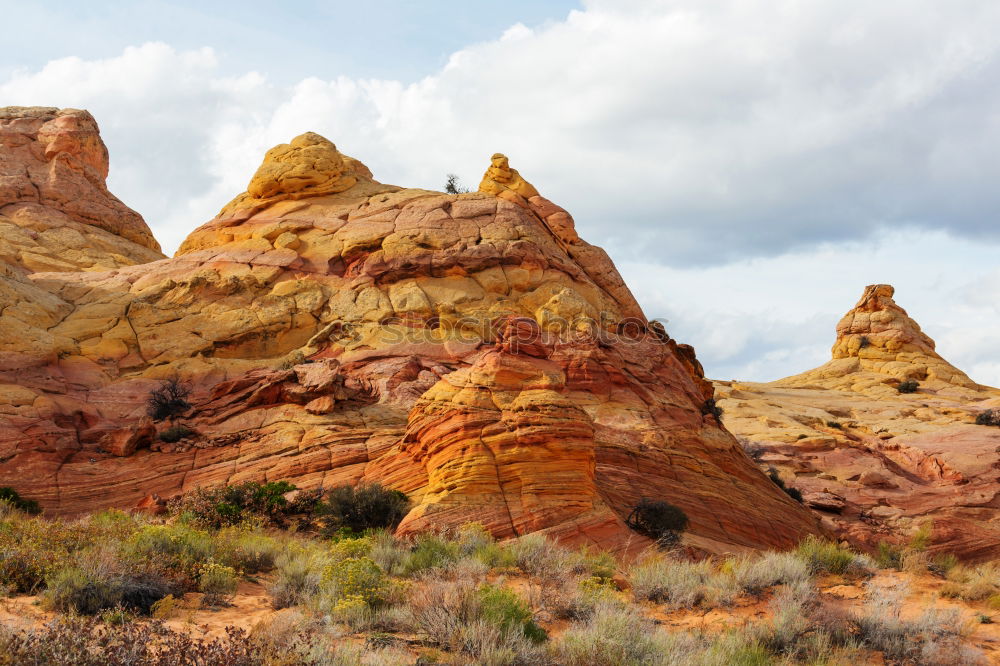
x,y
469,349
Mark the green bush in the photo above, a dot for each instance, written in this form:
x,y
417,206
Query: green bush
x,y
356,578
103,577
365,507
502,608
179,549
823,556
11,496
659,520
218,582
230,505
430,552
889,556
908,386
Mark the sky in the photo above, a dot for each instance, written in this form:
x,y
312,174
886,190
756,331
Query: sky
x,y
750,165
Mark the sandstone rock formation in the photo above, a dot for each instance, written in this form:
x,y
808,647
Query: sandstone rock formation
x,y
56,213
470,350
875,462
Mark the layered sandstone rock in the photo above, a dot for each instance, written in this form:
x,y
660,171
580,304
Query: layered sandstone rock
x,y
56,213
468,349
877,463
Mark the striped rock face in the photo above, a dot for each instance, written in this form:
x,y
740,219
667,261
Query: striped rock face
x,y
877,463
468,349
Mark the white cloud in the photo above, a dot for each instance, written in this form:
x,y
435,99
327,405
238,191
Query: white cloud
x,y
737,136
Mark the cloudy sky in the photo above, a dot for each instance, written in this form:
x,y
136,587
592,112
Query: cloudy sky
x,y
750,165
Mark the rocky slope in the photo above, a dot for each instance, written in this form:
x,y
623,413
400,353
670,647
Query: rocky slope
x,y
875,462
468,349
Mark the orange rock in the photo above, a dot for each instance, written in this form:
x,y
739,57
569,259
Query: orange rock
x,y
879,464
467,349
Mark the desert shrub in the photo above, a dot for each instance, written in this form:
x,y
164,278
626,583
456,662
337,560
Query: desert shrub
x,y
11,496
174,433
834,424
298,574
165,608
864,342
824,556
659,520
430,551
365,507
942,564
755,574
794,493
935,637
680,584
31,549
753,450
389,553
218,582
179,549
502,608
357,579
921,538
248,551
100,578
908,386
482,622
540,557
889,556
791,491
789,621
990,417
978,583
613,636
710,408
230,505
169,400
452,185
578,598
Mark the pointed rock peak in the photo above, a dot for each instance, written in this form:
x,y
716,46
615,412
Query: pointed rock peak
x,y
879,346
500,178
54,165
878,327
308,166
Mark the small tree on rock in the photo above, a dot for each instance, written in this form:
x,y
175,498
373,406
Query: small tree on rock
x,y
454,186
169,400
661,521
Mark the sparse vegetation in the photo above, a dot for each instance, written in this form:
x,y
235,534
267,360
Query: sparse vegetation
x,y
990,417
908,386
169,400
753,450
791,491
11,498
453,185
175,433
709,407
661,521
109,580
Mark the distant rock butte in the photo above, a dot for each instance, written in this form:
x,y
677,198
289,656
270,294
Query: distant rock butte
x,y
875,462
470,350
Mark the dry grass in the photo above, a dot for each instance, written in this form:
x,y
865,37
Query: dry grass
x,y
458,597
